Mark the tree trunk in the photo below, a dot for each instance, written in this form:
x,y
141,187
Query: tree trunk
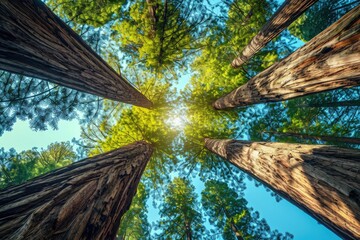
x,y
84,200
289,11
321,138
236,231
36,43
330,60
322,180
188,231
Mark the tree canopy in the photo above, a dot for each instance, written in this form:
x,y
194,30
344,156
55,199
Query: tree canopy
x,y
228,210
155,45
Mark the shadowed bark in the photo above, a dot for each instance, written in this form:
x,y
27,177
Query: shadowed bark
x,y
322,180
289,11
330,60
84,200
36,43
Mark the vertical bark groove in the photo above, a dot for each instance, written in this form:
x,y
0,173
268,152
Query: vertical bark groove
x,y
289,11
322,180
36,43
84,200
329,61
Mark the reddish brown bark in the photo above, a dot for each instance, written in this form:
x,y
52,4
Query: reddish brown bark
x,y
289,11
36,43
330,60
322,180
84,200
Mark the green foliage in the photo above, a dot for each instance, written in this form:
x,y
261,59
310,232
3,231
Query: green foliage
x,y
17,168
90,12
41,102
314,115
160,34
320,16
213,77
121,125
228,211
134,224
180,213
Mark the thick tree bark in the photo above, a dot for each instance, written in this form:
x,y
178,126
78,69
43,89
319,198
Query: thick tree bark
x,y
322,180
289,11
84,200
36,43
321,138
330,60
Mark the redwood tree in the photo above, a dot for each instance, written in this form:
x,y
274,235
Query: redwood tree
x,y
84,200
289,11
330,60
322,180
36,43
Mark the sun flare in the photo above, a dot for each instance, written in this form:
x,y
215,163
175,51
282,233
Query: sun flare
x,y
176,122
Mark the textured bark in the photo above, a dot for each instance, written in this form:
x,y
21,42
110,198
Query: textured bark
x,y
330,60
36,43
321,138
322,180
289,11
84,200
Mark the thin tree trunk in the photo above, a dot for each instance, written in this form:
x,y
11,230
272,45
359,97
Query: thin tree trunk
x,y
188,231
330,60
348,103
236,231
36,43
322,180
321,138
84,200
289,11
152,8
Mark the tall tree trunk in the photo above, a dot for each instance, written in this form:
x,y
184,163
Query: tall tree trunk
x,y
289,11
84,200
330,60
36,43
322,180
321,138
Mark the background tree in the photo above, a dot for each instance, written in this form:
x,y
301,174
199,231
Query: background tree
x,y
16,168
228,211
42,103
320,16
161,34
180,213
307,119
134,224
95,13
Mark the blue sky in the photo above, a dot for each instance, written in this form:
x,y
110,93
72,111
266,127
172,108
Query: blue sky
x,y
282,215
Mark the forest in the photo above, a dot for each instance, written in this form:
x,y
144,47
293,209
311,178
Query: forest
x,y
181,104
